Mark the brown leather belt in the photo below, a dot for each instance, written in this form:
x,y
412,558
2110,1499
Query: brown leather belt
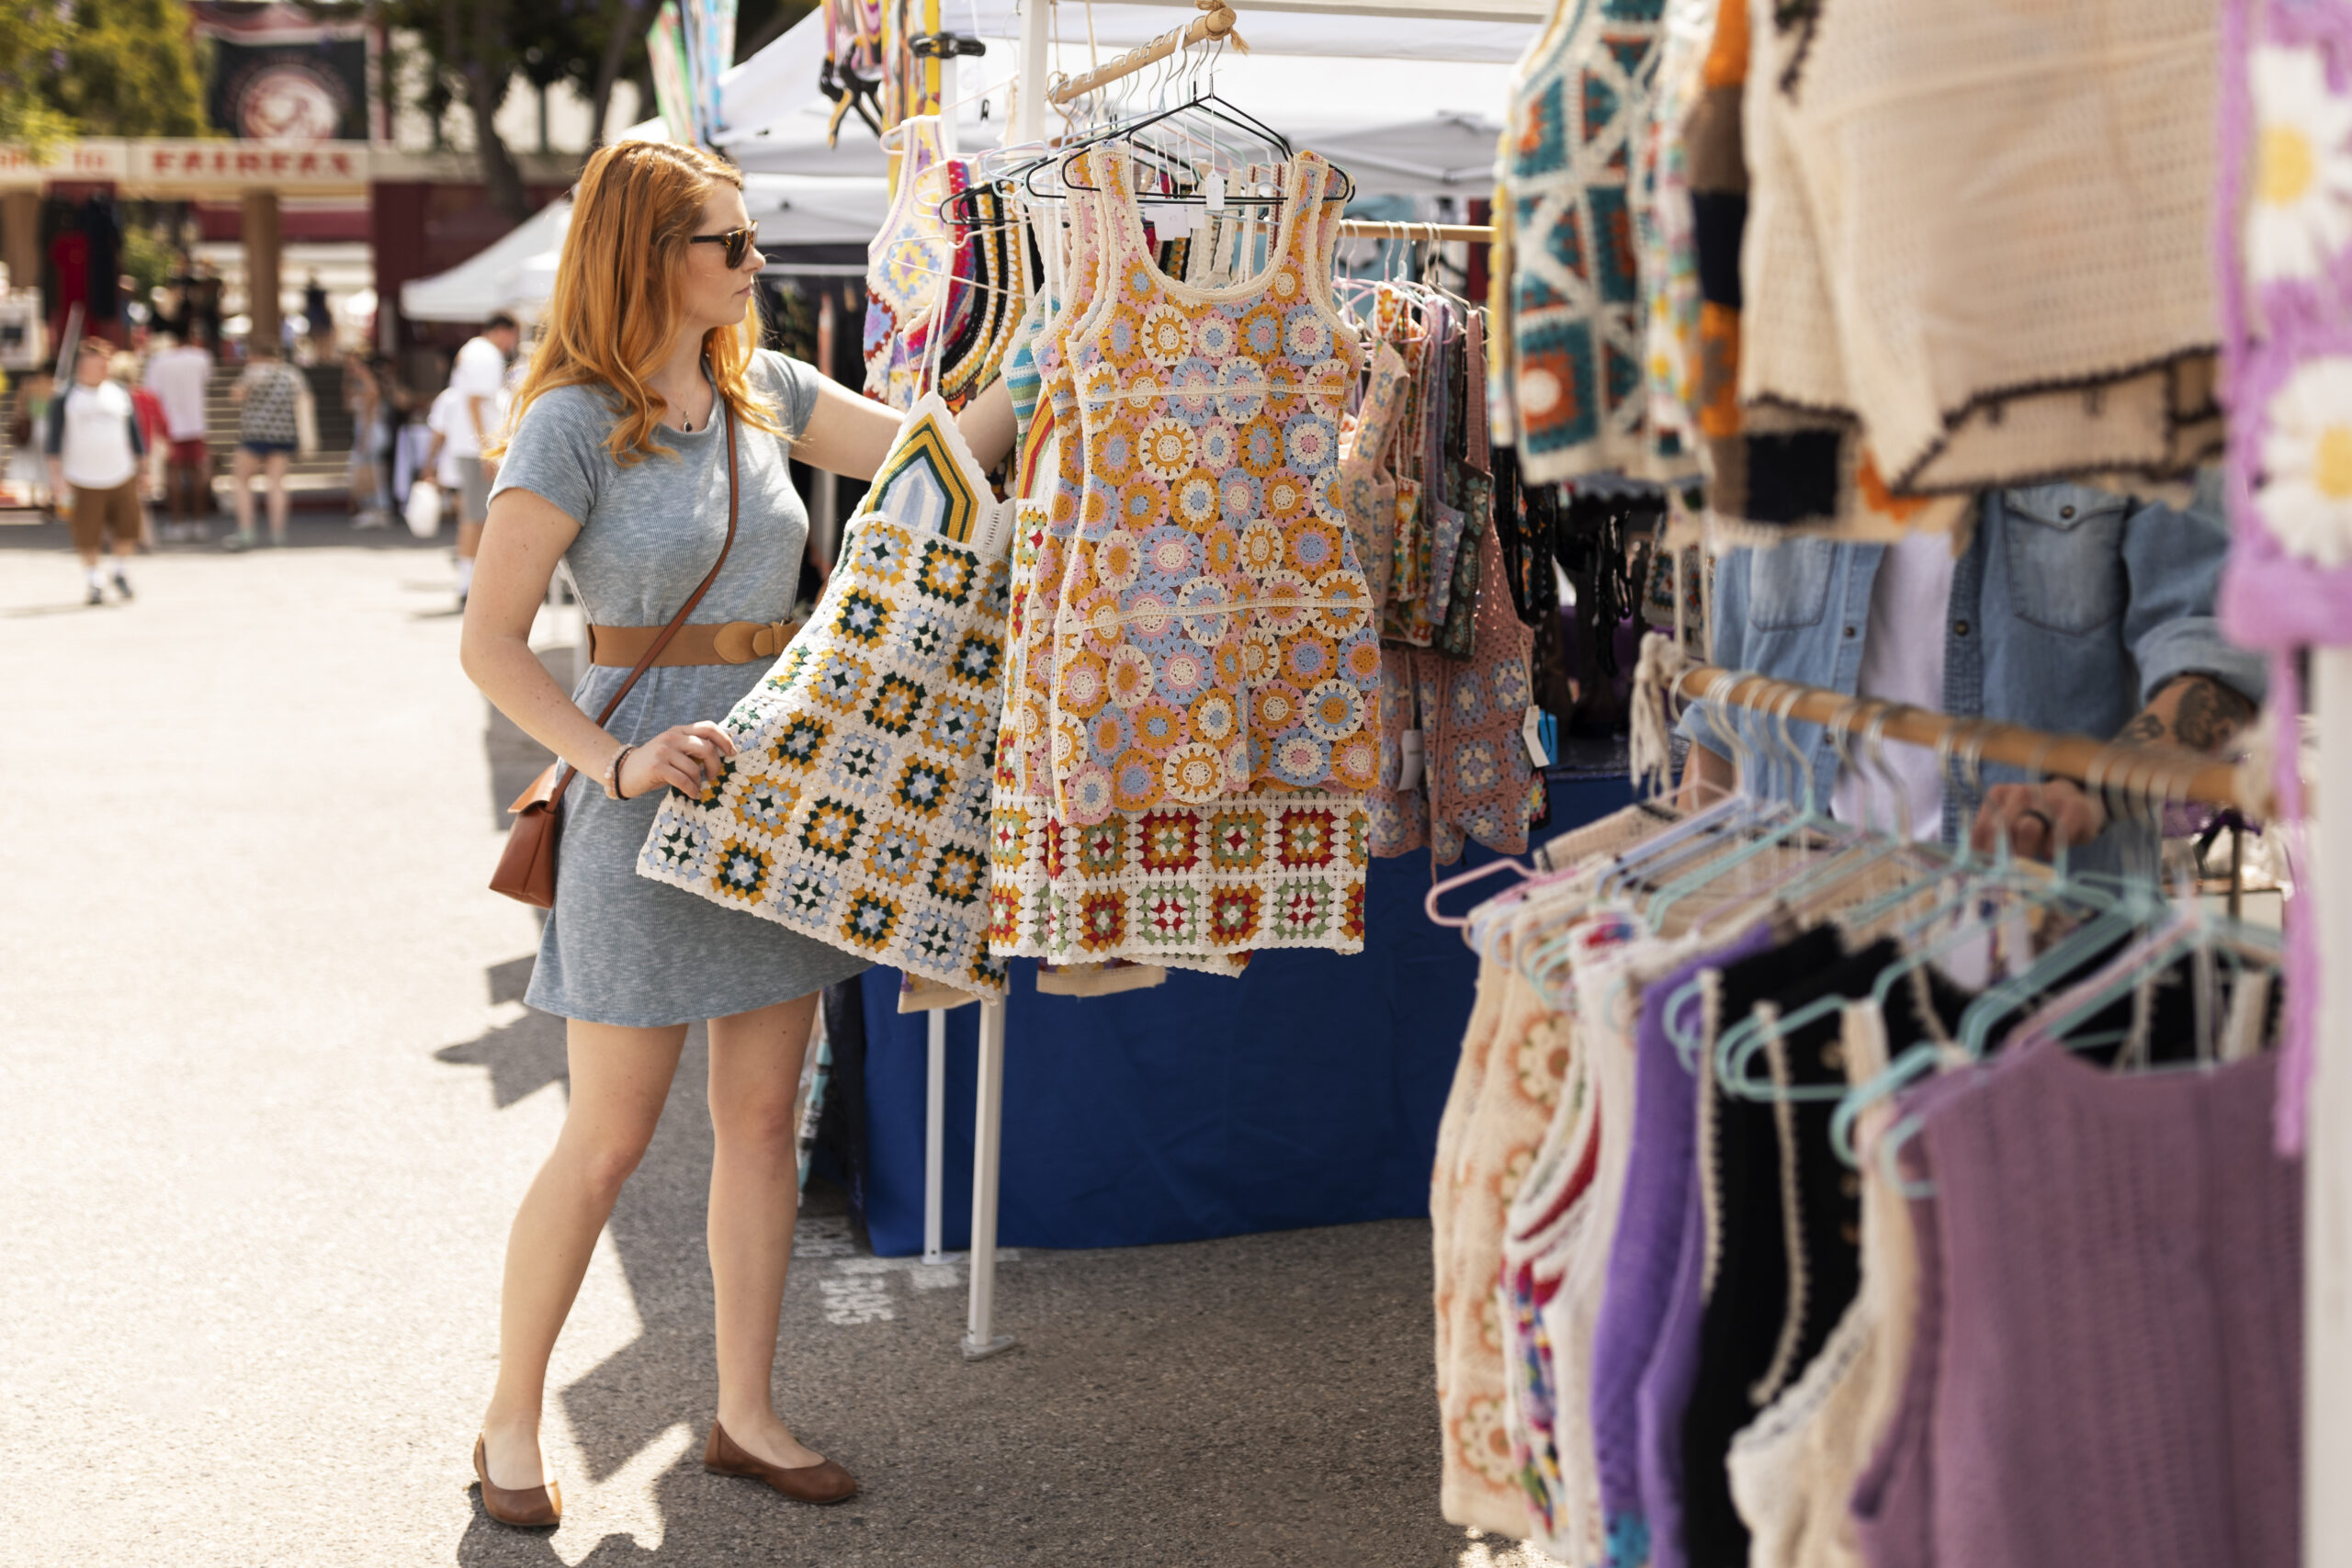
x,y
697,642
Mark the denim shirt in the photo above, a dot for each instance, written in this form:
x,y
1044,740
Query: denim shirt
x,y
2071,608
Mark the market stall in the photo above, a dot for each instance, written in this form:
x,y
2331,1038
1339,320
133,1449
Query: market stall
x,y
1857,1082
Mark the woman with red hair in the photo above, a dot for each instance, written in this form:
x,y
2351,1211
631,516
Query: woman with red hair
x,y
648,411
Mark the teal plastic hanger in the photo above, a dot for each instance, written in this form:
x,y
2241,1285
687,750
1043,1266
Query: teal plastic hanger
x,y
1807,817
1681,1013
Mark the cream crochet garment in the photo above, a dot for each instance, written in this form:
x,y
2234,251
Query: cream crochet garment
x,y
1984,231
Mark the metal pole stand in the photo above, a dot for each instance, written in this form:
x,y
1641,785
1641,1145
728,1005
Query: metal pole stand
x,y
980,1338
934,1139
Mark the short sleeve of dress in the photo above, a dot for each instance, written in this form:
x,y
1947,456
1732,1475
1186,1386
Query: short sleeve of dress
x,y
558,452
795,383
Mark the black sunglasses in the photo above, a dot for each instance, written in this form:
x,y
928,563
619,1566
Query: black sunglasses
x,y
739,243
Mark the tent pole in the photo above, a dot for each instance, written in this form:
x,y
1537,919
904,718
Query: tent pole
x,y
935,1137
980,1337
1029,96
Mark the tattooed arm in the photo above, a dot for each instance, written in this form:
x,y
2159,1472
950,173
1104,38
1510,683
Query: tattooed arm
x,y
2190,713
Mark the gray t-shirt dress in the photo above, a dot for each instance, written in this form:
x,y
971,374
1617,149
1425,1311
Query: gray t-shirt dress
x,y
620,948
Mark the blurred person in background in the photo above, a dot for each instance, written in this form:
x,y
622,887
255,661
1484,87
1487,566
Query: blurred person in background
x,y
478,377
94,446
27,470
440,464
267,396
364,397
318,316
180,375
124,368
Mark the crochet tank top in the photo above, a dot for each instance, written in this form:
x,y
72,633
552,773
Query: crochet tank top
x,y
909,264
1214,629
2108,1369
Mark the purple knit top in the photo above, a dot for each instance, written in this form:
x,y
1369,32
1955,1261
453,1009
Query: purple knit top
x,y
2270,328
2107,1366
1660,1183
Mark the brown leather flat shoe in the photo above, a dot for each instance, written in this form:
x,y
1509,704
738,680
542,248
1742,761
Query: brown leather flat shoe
x,y
527,1507
824,1482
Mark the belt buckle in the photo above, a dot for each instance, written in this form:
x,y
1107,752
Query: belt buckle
x,y
740,642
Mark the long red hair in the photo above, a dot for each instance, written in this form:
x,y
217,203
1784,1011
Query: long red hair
x,y
615,308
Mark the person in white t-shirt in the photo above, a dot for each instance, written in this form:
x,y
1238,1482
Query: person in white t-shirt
x,y
441,458
179,374
476,378
94,449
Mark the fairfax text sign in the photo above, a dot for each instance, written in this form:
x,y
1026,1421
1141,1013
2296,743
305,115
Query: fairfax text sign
x,y
189,165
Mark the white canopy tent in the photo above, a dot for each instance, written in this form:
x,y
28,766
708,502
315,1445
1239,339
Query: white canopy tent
x,y
1403,103
494,278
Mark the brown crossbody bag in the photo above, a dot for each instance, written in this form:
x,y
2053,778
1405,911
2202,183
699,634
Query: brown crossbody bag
x,y
526,869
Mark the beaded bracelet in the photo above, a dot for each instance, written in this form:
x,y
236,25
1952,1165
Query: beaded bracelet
x,y
613,773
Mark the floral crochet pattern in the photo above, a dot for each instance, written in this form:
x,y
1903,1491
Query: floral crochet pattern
x,y
1214,630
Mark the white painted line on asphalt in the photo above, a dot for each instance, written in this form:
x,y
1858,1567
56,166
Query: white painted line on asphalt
x,y
858,1299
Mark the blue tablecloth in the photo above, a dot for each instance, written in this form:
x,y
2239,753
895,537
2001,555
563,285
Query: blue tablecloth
x,y
1305,1092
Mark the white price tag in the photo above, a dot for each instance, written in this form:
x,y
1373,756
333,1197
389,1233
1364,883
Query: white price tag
x,y
1215,188
1169,219
1531,730
1409,760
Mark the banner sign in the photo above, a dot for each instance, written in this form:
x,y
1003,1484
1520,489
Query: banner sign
x,y
165,165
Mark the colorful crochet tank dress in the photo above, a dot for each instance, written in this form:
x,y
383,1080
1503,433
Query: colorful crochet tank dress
x,y
908,263
1187,887
1213,631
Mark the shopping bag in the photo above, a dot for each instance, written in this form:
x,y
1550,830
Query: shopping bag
x,y
423,509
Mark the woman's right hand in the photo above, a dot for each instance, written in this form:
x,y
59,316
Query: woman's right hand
x,y
683,757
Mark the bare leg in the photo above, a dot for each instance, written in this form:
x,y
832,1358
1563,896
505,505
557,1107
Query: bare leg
x,y
279,502
619,1078
243,474
754,1200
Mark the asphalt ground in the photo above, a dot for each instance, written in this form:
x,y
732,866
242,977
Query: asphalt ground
x,y
268,1096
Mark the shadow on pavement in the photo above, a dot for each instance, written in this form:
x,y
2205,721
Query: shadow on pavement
x,y
524,1056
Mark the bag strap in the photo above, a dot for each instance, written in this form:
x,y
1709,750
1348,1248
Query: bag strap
x,y
644,663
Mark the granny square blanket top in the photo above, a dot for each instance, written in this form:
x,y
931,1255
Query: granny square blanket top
x,y
855,810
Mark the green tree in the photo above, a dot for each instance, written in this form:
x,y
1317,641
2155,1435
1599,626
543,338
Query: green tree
x,y
478,47
32,43
124,68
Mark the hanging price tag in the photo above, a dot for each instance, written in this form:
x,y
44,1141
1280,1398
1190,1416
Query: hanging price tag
x,y
1409,760
1169,219
1215,189
1531,730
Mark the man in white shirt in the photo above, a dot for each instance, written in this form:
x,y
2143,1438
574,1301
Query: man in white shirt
x,y
440,458
94,450
476,378
178,373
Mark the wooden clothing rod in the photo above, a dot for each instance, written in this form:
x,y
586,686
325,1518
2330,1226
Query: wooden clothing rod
x,y
2138,770
1441,233
1217,24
